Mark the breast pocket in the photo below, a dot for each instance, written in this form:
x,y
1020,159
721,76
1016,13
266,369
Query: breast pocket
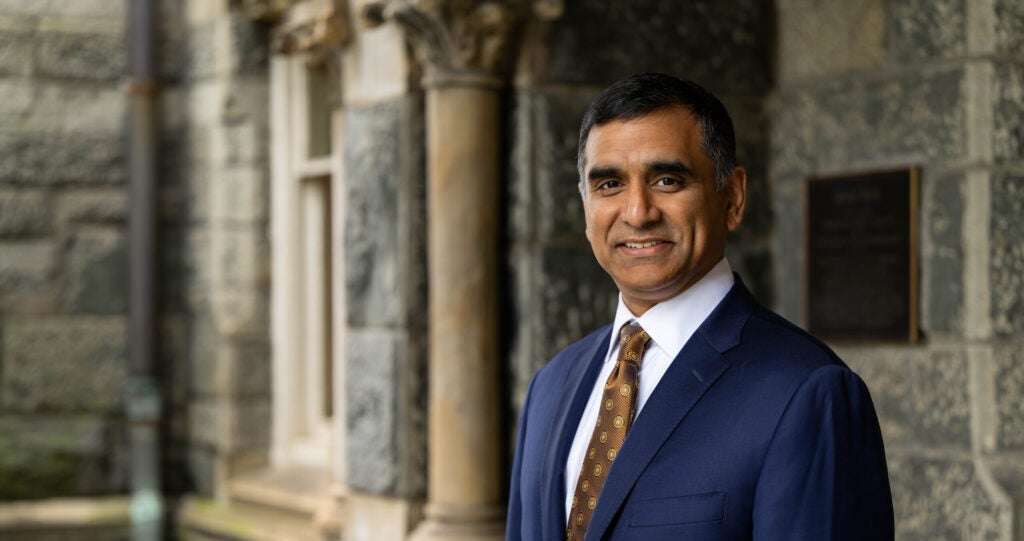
x,y
689,509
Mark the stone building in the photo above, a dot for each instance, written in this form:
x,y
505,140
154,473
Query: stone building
x,y
345,186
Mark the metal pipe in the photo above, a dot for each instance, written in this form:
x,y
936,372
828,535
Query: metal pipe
x,y
142,394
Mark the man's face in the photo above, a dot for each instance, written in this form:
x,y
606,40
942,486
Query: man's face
x,y
655,221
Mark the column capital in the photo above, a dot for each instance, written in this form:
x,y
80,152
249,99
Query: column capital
x,y
460,42
312,26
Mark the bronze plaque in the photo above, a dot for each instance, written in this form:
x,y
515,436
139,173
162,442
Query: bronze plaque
x,y
861,256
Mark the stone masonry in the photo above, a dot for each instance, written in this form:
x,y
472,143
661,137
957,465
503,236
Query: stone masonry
x,y
886,84
62,249
215,243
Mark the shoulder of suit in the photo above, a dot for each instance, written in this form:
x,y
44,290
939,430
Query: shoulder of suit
x,y
788,340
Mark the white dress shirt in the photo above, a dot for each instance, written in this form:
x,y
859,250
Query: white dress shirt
x,y
670,325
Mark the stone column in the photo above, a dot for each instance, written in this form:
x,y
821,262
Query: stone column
x,y
461,47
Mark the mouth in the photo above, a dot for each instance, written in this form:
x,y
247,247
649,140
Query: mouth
x,y
643,244
644,247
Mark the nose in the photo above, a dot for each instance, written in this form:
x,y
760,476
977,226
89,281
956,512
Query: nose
x,y
641,209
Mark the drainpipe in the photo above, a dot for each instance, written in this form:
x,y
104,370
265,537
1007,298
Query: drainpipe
x,y
143,394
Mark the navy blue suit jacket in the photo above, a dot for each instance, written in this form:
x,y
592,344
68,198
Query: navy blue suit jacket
x,y
756,431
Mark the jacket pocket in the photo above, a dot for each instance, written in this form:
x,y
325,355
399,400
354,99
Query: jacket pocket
x,y
707,507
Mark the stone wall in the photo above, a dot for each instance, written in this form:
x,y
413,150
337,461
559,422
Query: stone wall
x,y
386,304
63,262
214,243
891,83
558,293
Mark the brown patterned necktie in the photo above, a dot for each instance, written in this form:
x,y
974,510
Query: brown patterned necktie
x,y
618,406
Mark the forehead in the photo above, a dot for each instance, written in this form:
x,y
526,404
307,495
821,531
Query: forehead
x,y
670,132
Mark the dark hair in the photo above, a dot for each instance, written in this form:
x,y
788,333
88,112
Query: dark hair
x,y
644,93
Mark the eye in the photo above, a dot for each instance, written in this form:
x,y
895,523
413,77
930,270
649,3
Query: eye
x,y
610,184
667,181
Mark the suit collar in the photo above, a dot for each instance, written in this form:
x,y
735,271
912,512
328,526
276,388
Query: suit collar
x,y
694,371
578,382
672,322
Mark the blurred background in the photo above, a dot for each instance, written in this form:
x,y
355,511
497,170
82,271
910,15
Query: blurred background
x,y
219,304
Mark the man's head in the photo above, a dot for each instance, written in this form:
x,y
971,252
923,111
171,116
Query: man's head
x,y
641,94
660,185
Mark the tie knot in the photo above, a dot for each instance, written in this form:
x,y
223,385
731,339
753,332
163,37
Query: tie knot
x,y
633,340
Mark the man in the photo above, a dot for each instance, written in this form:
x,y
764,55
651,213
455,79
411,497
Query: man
x,y
698,414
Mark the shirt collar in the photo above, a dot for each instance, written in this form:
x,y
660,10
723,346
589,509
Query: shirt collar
x,y
671,323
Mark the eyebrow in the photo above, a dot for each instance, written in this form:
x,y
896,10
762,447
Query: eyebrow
x,y
603,172
673,166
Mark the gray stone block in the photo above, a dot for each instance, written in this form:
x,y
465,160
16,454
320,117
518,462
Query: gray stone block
x,y
942,499
67,55
792,144
15,52
230,45
92,205
97,271
250,44
26,264
64,364
861,123
750,122
1007,254
173,275
238,369
202,468
561,295
385,220
788,247
386,400
927,29
46,105
46,158
171,42
24,212
185,175
1008,359
51,456
544,195
1008,109
206,424
202,354
754,265
819,39
19,100
250,426
920,396
200,50
1009,15
942,255
110,9
241,255
725,45
240,194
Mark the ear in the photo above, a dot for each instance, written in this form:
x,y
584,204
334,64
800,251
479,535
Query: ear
x,y
735,193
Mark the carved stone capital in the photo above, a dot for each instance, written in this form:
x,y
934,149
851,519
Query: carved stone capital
x,y
460,41
312,26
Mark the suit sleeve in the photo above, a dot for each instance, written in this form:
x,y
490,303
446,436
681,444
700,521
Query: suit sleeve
x,y
513,527
824,475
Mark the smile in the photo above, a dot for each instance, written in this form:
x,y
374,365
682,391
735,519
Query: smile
x,y
645,244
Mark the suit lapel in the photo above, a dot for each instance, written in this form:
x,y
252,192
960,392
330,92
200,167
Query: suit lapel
x,y
579,382
695,370
676,394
